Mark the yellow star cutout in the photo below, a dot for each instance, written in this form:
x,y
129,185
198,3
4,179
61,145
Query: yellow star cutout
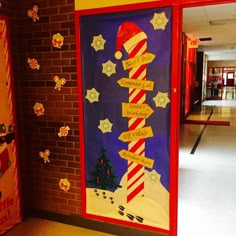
x,y
105,126
161,99
98,42
108,68
159,21
92,95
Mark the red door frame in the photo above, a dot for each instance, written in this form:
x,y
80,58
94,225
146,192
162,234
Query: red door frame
x,y
178,6
174,121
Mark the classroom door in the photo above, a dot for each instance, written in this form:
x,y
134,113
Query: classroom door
x,y
9,186
125,87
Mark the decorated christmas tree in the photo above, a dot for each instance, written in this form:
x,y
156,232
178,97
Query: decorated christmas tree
x,y
103,176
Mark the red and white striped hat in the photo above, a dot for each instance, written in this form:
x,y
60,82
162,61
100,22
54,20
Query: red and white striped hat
x,y
128,35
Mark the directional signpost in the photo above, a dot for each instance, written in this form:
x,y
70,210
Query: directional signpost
x,y
136,110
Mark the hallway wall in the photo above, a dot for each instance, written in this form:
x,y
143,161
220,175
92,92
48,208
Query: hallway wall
x,y
40,181
221,63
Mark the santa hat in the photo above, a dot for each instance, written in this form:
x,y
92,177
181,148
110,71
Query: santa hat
x,y
128,35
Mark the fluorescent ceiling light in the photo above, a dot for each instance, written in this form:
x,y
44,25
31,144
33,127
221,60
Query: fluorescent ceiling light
x,y
223,22
205,39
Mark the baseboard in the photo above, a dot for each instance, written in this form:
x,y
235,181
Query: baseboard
x,y
207,122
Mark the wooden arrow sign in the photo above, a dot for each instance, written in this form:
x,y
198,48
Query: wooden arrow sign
x,y
136,134
136,110
130,156
137,84
138,61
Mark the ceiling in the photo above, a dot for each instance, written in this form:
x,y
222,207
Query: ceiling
x,y
217,22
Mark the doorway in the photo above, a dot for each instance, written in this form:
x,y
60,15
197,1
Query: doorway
x,y
206,193
230,78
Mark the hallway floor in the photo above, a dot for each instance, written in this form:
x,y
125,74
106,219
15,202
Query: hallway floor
x,y
207,178
42,227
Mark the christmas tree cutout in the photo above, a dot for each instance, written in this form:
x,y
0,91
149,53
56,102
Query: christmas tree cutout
x,y
103,176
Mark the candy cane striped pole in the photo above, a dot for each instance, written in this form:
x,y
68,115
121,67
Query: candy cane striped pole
x,y
135,43
136,171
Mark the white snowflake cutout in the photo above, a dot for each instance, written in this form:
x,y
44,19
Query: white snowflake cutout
x,y
105,126
98,42
109,68
92,95
159,21
161,99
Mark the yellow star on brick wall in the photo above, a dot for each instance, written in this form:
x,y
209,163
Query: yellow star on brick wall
x,y
159,21
92,95
105,126
161,99
109,68
98,42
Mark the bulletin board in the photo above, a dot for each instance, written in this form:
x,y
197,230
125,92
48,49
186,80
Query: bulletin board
x,y
10,208
124,64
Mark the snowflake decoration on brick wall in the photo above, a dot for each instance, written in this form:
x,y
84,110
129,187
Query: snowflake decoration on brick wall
x,y
64,184
38,109
57,40
63,131
33,63
33,13
59,82
45,155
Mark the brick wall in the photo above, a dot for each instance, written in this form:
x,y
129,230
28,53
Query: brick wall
x,y
7,7
40,181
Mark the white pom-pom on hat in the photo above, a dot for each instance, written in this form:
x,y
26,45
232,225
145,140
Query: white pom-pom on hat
x,y
118,55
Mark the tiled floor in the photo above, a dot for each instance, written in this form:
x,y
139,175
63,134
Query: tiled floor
x,y
42,227
207,180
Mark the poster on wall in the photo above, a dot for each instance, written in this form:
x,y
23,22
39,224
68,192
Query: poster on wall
x,y
125,86
9,188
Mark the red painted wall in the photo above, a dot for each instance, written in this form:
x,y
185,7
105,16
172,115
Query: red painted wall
x,y
190,66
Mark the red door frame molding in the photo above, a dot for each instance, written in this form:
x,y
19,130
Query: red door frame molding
x,y
177,6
